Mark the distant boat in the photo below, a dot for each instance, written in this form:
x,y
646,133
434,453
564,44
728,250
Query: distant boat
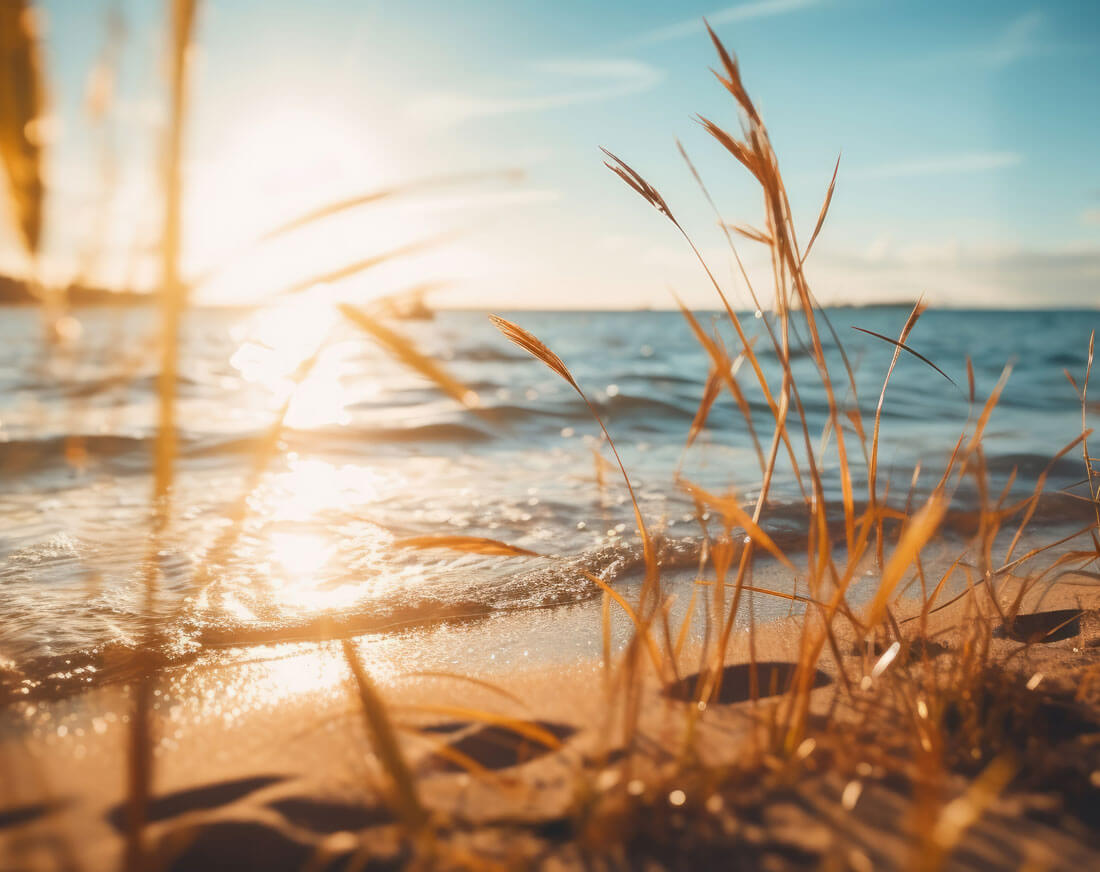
x,y
410,305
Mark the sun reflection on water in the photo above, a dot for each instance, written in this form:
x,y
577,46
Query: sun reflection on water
x,y
311,486
301,578
277,343
315,550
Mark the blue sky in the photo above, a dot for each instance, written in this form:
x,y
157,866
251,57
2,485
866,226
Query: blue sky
x,y
969,136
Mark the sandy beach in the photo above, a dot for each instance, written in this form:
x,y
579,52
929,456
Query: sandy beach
x,y
266,762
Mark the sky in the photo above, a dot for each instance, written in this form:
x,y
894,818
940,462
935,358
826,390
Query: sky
x,y
967,134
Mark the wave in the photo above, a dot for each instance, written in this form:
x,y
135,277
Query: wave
x,y
194,635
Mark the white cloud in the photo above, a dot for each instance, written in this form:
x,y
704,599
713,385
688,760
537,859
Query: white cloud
x,y
956,274
603,79
489,201
728,15
948,164
1020,38
1090,216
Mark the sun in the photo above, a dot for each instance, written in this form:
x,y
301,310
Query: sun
x,y
275,162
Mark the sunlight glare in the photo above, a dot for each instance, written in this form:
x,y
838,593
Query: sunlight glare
x,y
298,579
276,344
312,486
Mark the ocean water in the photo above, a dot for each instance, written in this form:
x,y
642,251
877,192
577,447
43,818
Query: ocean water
x,y
299,546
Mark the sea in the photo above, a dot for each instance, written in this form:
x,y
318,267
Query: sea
x,y
277,534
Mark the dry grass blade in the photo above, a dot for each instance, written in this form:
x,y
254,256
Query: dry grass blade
x,y
405,352
359,266
734,515
733,77
468,544
330,209
725,370
710,394
206,570
738,149
750,233
639,626
527,729
21,118
1040,483
629,175
172,304
957,816
765,591
916,535
347,204
468,679
905,347
1094,491
872,472
406,799
1073,383
533,346
983,419
824,212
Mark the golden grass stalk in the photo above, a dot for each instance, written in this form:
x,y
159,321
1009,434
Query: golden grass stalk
x,y
346,204
404,796
917,534
641,627
710,394
872,471
22,118
468,679
527,729
903,347
469,544
405,352
537,348
649,599
735,516
822,214
963,812
173,292
363,199
1094,489
360,266
725,370
173,301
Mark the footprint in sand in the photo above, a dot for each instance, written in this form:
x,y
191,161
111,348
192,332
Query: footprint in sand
x,y
195,799
1050,626
493,747
773,677
330,816
24,814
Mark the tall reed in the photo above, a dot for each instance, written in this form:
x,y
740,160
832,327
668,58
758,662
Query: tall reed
x,y
181,15
23,120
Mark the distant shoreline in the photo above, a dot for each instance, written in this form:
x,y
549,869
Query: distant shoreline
x,y
16,292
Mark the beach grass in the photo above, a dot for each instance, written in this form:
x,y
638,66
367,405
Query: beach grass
x,y
910,688
916,702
